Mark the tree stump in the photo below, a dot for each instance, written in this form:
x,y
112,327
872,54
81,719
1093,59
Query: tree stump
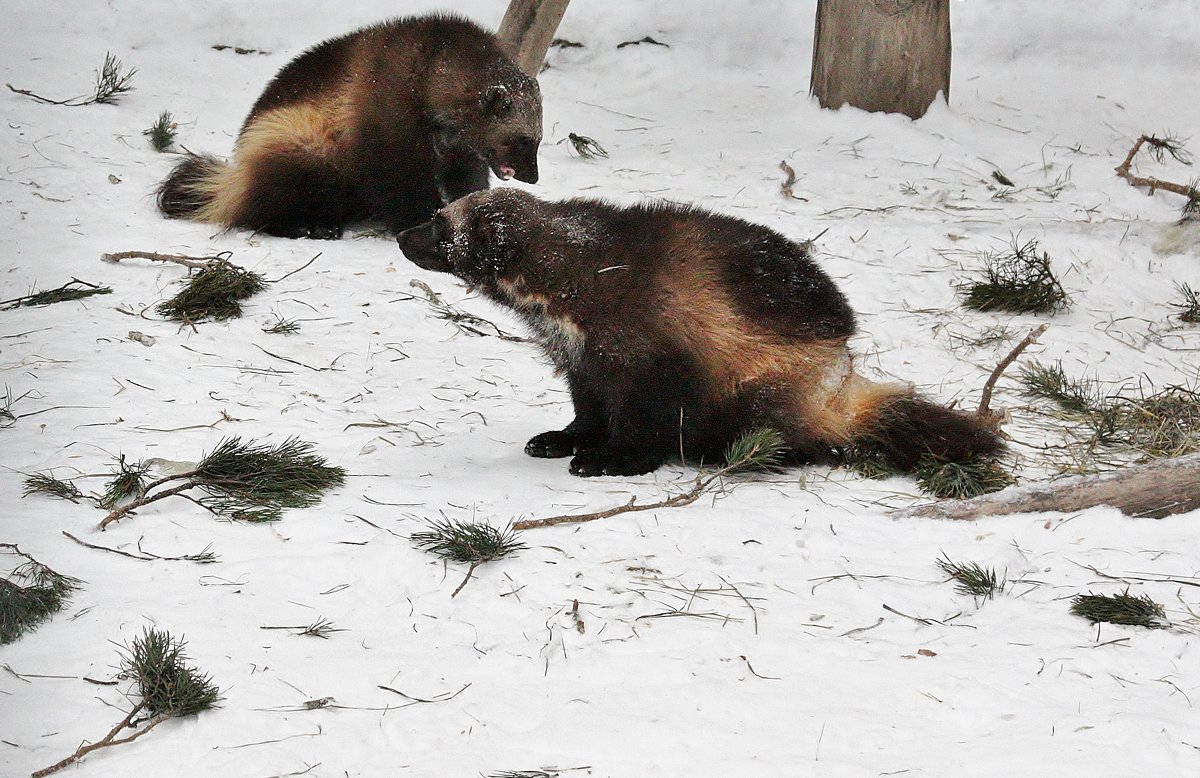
x,y
881,55
527,30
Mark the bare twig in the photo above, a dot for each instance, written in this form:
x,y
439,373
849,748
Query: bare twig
x,y
196,263
1154,184
985,400
107,740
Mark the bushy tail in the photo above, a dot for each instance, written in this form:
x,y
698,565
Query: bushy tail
x,y
190,191
897,428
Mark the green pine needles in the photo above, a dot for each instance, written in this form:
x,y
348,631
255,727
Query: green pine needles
x,y
467,541
44,483
972,579
215,291
1189,306
167,685
247,481
73,290
1164,423
759,449
162,133
1123,608
942,477
128,483
112,81
30,594
1019,281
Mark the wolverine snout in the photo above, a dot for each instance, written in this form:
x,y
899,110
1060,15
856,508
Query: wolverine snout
x,y
419,244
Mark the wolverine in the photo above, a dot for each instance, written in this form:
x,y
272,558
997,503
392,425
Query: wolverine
x,y
678,330
384,125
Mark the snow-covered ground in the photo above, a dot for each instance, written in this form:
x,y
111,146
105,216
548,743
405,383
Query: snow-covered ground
x,y
780,657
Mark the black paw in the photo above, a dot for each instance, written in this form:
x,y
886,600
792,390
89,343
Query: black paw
x,y
309,231
603,461
321,232
554,444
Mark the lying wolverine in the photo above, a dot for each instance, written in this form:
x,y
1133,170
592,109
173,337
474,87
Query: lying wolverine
x,y
386,124
679,330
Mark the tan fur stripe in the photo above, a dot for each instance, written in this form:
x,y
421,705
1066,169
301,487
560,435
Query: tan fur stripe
x,y
295,130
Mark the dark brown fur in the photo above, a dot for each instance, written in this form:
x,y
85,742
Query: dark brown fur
x,y
386,124
682,329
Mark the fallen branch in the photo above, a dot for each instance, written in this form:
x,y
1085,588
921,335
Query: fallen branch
x,y
1159,145
759,449
985,400
196,263
1153,490
74,290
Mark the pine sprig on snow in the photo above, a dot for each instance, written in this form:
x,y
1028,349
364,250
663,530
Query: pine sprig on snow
x,y
30,594
162,133
247,481
1123,608
972,578
960,480
1019,280
167,685
467,541
214,292
759,449
44,483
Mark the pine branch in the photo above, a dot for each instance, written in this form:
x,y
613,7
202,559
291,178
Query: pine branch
x,y
462,541
44,483
247,481
1019,280
985,399
30,594
1159,149
74,290
168,687
111,83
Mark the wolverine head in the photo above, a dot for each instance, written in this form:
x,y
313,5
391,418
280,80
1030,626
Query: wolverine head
x,y
478,238
512,128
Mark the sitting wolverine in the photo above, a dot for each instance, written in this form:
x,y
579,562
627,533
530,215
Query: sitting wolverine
x,y
679,330
386,124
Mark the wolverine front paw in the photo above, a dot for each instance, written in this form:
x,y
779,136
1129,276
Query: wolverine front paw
x,y
602,461
554,444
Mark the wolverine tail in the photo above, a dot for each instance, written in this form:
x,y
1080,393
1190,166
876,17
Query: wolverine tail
x,y
893,425
190,191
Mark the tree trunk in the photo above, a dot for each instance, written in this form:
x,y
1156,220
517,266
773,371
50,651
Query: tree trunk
x,y
1153,490
881,55
528,28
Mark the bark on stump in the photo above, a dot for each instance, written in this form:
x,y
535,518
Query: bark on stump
x,y
881,55
527,30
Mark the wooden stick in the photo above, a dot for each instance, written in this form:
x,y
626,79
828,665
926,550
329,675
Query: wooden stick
x,y
107,740
686,498
527,30
121,512
1154,184
196,263
985,400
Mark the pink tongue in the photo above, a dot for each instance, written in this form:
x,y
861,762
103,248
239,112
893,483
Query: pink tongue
x,y
507,172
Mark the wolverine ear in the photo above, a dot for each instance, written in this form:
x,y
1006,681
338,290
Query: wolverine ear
x,y
496,100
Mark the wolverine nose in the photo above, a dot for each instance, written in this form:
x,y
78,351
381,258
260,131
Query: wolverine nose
x,y
529,176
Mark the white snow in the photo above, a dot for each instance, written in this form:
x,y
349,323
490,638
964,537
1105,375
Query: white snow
x,y
772,672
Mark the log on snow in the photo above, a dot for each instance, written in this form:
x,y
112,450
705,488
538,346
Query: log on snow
x,y
1152,490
